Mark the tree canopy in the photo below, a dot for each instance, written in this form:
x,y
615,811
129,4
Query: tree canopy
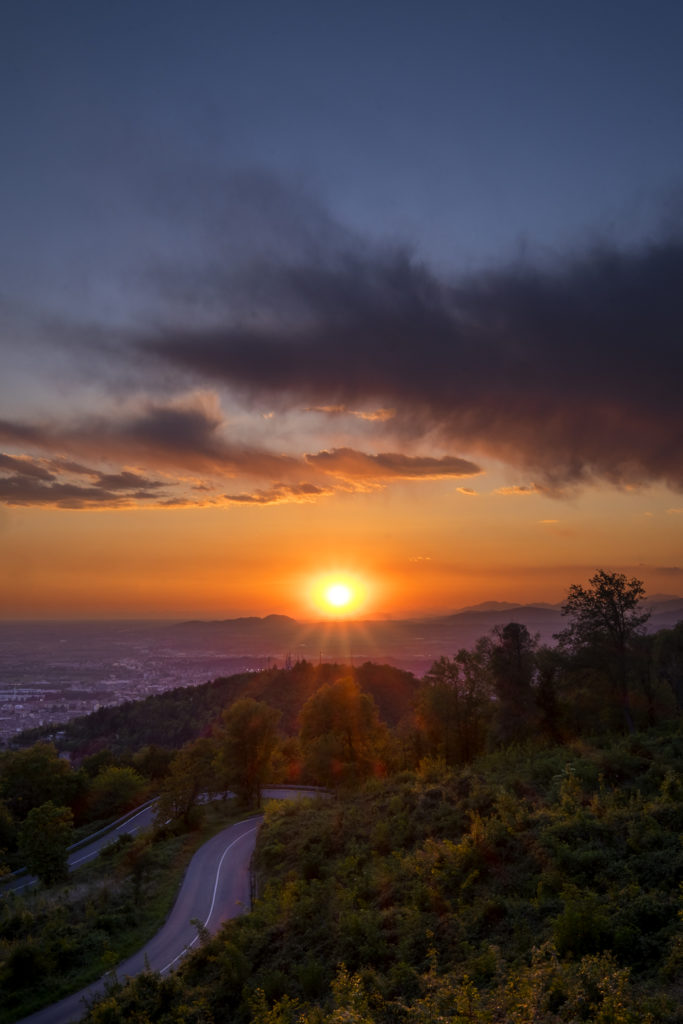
x,y
44,839
606,619
341,734
246,740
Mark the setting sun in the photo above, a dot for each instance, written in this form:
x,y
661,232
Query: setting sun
x,y
337,595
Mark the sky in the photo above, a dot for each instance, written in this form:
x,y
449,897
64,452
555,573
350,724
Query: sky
x,y
387,295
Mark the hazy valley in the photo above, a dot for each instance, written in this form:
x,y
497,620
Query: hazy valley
x,y
53,671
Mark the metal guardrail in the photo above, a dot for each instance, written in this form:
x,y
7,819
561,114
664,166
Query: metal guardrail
x,y
113,825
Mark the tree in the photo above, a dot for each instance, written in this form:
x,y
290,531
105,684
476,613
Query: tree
x,y
246,740
452,706
606,620
116,789
8,829
512,665
152,761
29,778
8,836
44,839
93,764
548,674
668,655
341,734
191,774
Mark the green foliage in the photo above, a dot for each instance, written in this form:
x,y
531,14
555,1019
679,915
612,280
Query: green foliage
x,y
245,742
114,790
454,704
55,941
44,838
583,926
8,831
524,888
191,774
152,761
606,622
533,884
512,666
668,658
35,776
169,720
149,998
341,735
605,613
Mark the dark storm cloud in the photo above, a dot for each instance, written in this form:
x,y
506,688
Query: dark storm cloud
x,y
126,482
188,438
19,433
176,429
194,438
24,467
29,481
24,490
351,464
570,372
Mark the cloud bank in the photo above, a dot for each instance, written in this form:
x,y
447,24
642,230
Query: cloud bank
x,y
188,445
322,362
568,372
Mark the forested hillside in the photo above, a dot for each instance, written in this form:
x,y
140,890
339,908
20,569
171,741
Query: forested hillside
x,y
533,888
172,718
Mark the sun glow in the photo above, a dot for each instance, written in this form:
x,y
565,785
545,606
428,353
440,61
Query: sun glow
x,y
338,595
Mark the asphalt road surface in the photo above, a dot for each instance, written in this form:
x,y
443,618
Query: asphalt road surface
x,y
216,887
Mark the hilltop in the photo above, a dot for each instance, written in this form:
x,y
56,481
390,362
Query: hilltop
x,y
179,715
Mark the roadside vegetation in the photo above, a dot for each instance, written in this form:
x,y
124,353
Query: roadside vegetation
x,y
504,844
529,887
55,940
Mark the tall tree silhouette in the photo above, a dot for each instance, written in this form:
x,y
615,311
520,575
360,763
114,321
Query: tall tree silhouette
x,y
606,619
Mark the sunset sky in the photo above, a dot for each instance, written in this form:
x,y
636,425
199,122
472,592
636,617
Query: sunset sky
x,y
389,294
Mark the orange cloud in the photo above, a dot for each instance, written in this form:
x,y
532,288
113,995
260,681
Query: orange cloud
x,y
117,461
351,464
279,494
519,489
374,415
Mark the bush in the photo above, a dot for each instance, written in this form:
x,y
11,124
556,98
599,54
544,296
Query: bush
x,y
582,927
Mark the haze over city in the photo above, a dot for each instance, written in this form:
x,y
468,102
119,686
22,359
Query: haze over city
x,y
377,297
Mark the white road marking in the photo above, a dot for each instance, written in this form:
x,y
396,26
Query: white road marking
x,y
213,900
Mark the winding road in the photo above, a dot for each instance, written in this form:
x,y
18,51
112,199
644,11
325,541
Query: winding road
x,y
216,887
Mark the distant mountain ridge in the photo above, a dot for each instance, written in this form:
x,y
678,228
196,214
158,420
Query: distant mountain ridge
x,y
501,606
413,644
245,620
